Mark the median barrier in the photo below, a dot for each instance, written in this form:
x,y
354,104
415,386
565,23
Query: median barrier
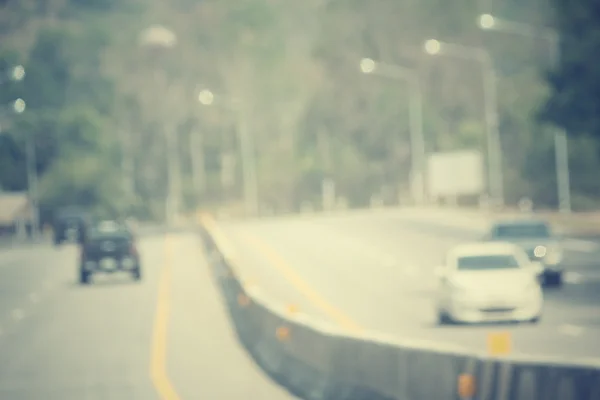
x,y
318,361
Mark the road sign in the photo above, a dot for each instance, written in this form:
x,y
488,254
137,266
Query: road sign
x,y
451,174
499,343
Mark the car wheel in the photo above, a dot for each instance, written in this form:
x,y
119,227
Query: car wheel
x,y
535,319
84,276
137,274
443,318
553,280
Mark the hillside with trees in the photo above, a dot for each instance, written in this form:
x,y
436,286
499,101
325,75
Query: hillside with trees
x,y
112,87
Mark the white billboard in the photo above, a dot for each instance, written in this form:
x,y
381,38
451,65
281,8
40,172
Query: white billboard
x,y
455,173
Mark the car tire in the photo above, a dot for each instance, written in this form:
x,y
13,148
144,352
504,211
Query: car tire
x,y
553,280
443,318
84,277
137,274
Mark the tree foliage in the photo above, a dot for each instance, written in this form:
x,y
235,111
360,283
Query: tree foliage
x,y
575,83
102,106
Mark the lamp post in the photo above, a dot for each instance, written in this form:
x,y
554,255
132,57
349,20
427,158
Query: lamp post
x,y
32,176
160,38
417,140
250,180
561,146
18,106
494,150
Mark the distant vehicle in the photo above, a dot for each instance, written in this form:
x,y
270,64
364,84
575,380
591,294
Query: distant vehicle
x,y
537,239
109,247
488,282
70,225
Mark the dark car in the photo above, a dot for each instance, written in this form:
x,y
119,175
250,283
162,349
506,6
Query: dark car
x,y
70,225
109,247
537,239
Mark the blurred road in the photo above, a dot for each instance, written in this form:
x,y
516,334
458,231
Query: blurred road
x,y
375,269
167,338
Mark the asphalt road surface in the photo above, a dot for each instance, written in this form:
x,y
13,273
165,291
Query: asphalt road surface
x,y
165,338
374,270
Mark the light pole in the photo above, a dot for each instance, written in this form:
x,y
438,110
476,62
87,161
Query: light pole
x,y
250,179
561,149
370,66
161,38
17,74
32,176
494,150
197,160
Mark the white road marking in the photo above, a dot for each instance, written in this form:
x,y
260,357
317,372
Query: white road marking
x,y
584,246
578,278
570,330
18,314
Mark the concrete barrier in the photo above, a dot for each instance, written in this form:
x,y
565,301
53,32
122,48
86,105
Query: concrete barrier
x,y
316,361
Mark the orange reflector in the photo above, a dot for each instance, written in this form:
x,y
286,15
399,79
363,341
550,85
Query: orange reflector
x,y
466,386
283,333
243,300
499,343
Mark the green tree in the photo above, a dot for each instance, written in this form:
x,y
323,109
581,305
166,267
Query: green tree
x,y
575,83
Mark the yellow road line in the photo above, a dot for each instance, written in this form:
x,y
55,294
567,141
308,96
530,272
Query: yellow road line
x,y
158,360
302,286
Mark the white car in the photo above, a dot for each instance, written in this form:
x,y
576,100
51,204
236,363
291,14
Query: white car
x,y
489,282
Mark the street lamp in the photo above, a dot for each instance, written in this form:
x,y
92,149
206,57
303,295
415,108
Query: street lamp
x,y
17,74
435,47
367,65
486,21
370,66
161,38
561,146
19,106
207,98
32,178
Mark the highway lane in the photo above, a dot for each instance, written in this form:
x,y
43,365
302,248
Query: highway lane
x,y
28,276
378,270
165,338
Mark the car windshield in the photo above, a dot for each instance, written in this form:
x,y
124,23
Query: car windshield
x,y
487,262
521,231
109,228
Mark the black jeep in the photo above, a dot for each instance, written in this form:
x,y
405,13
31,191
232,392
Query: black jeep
x,y
109,247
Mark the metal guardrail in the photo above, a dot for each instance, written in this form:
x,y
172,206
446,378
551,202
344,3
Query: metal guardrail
x,y
321,362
